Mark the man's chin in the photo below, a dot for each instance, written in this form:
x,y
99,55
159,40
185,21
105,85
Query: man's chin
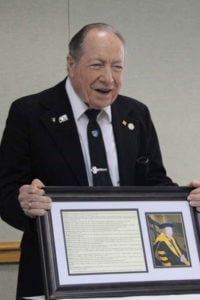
x,y
100,103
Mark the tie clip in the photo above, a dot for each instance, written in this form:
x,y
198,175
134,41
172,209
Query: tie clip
x,y
95,170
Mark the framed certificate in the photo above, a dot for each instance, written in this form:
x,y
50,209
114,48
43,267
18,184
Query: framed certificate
x,y
119,241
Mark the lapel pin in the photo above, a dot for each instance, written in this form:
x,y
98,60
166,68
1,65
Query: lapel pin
x,y
63,118
131,126
124,122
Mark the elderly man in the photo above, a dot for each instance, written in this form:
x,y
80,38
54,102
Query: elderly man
x,y
167,251
50,138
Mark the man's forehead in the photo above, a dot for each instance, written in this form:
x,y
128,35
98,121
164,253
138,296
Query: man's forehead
x,y
102,43
101,34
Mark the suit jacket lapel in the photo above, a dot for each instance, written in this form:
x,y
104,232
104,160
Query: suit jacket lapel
x,y
63,130
125,128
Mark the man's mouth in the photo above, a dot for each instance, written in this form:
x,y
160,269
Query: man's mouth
x,y
103,91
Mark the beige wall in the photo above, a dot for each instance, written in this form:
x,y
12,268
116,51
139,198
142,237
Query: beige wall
x,y
8,281
162,66
34,37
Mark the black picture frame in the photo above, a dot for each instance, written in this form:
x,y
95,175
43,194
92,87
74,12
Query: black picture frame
x,y
161,199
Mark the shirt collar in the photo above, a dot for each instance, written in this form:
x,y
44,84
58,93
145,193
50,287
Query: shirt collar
x,y
79,107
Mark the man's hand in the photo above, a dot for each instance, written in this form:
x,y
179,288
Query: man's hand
x,y
194,196
32,199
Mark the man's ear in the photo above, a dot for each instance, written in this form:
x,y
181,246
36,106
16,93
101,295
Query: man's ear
x,y
70,65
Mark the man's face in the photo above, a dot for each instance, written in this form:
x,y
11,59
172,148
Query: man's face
x,y
168,231
97,76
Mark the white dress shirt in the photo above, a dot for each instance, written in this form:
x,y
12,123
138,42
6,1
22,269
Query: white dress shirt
x,y
104,120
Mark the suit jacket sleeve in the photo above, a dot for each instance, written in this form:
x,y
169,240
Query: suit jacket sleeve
x,y
150,168
15,168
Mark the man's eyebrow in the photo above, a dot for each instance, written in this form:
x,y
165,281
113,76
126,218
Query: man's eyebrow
x,y
118,62
95,59
102,60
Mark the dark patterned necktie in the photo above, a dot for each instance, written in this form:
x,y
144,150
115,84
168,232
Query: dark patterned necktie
x,y
99,166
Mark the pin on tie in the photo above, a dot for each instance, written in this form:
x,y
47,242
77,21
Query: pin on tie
x,y
95,133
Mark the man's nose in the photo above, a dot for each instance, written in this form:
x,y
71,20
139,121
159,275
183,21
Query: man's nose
x,y
106,75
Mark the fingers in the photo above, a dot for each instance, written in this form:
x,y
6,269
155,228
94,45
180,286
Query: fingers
x,y
37,208
194,196
195,192
195,203
198,208
31,189
37,183
195,183
33,200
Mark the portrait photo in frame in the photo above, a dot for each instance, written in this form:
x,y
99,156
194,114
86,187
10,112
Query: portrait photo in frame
x,y
99,242
168,240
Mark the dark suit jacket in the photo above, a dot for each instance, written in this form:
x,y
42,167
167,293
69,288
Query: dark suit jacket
x,y
33,146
